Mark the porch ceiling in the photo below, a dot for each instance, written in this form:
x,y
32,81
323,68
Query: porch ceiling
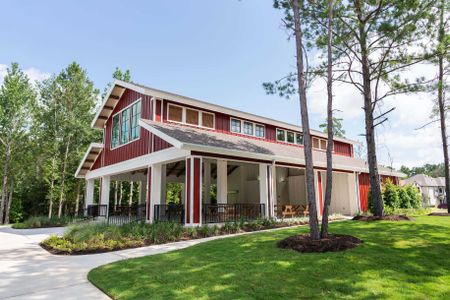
x,y
197,139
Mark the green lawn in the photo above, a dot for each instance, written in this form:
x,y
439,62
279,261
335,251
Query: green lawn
x,y
398,260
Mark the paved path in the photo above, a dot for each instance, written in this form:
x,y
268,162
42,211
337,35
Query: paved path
x,y
29,272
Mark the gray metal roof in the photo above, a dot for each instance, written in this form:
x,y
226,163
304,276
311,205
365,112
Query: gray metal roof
x,y
194,137
425,180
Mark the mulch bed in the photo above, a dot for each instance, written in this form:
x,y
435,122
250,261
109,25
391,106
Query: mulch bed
x,y
383,218
441,214
333,243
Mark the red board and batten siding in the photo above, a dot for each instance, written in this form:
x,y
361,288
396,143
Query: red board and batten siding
x,y
364,188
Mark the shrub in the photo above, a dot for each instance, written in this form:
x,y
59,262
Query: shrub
x,y
414,195
43,221
163,232
404,197
390,195
207,231
231,227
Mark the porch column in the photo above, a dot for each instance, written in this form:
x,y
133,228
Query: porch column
x,y
207,181
89,198
155,190
222,181
150,209
318,180
193,205
163,184
266,189
104,192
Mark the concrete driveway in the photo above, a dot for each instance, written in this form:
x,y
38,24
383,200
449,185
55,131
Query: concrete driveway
x,y
29,272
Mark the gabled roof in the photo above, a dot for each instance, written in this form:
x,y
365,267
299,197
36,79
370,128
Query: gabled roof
x,y
89,159
197,139
118,87
425,180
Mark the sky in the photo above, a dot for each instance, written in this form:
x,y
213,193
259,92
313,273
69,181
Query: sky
x,y
220,51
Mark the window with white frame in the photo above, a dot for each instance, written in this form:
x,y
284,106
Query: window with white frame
x,y
235,125
281,135
125,125
136,115
290,137
299,138
191,116
248,128
259,130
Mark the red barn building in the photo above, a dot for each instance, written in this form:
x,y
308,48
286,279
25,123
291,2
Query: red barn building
x,y
227,163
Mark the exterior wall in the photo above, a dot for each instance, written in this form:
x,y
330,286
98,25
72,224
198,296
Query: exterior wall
x,y
364,187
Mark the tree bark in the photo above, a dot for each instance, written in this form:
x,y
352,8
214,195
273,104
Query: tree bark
x,y
63,179
50,204
5,182
116,187
330,132
77,200
120,194
375,188
130,198
441,103
313,221
8,203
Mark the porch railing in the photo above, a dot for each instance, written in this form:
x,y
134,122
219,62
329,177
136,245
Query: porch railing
x,y
221,213
169,212
123,214
97,210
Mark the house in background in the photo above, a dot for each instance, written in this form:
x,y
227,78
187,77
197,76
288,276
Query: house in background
x,y
432,189
228,164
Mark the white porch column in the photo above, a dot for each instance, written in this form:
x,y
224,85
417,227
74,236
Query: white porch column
x,y
163,184
155,192
89,198
264,188
207,182
104,195
222,181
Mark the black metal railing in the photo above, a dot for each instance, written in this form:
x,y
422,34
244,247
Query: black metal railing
x,y
97,210
122,214
221,213
169,213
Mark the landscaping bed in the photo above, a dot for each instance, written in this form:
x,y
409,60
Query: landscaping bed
x,y
98,238
369,218
332,243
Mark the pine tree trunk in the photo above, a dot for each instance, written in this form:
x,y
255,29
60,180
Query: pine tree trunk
x,y
116,187
8,204
375,188
313,221
329,180
441,102
5,182
63,179
50,204
130,198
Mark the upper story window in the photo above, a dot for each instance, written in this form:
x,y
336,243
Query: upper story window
x,y
125,125
190,116
289,137
236,125
247,128
319,143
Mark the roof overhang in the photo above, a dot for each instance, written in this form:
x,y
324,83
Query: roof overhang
x,y
89,159
110,101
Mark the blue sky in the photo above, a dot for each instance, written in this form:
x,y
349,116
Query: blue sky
x,y
217,51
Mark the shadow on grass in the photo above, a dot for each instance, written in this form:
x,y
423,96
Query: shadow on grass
x,y
396,260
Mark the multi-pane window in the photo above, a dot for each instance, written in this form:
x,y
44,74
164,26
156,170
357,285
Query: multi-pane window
x,y
259,130
192,117
290,137
175,113
115,131
248,128
299,139
136,115
125,126
235,125
281,135
323,144
315,143
207,120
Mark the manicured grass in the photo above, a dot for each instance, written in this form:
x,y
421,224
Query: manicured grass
x,y
398,260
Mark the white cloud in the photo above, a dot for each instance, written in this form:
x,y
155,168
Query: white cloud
x,y
32,73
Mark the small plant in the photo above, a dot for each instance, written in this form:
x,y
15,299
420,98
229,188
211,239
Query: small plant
x,y
231,227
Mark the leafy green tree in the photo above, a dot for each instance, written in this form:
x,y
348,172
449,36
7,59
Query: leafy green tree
x,y
338,129
404,198
16,97
415,196
390,195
